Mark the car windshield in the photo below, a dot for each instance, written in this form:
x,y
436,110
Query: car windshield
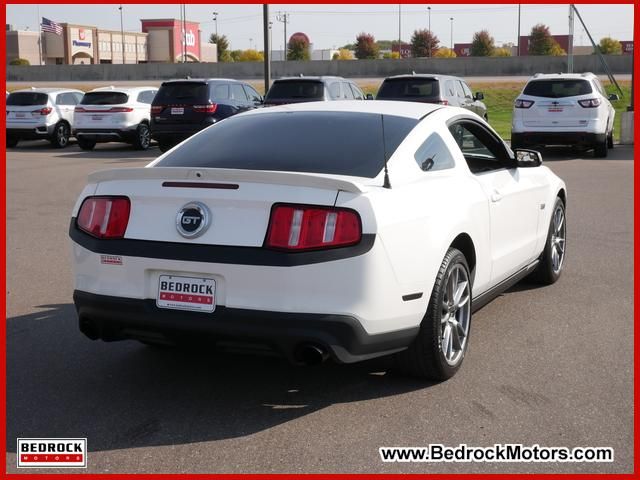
x,y
104,98
409,87
184,92
557,88
340,143
26,99
308,89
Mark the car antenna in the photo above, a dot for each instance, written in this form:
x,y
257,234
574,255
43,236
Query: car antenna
x,y
387,183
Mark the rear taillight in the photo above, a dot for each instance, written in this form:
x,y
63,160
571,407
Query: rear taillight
x,y
523,103
208,108
43,111
157,108
79,110
104,217
589,103
443,102
120,109
299,227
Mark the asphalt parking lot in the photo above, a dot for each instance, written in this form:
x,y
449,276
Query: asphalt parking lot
x,y
547,365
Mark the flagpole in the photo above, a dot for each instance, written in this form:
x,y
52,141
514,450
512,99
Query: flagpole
x,y
39,34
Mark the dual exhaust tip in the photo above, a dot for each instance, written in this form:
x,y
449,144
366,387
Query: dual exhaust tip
x,y
310,354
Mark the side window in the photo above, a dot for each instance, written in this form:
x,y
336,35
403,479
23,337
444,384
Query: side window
x,y
467,90
434,154
347,93
599,87
146,96
449,89
252,94
78,96
357,93
66,99
237,92
459,89
221,92
482,151
334,90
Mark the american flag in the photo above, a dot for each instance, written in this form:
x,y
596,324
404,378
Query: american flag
x,y
51,26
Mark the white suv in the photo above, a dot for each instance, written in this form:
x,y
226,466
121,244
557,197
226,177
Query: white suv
x,y
564,109
41,113
112,114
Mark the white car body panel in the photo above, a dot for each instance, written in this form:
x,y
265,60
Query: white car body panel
x,y
414,223
28,116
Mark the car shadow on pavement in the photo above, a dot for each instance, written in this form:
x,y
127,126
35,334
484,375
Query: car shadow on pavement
x,y
555,154
125,394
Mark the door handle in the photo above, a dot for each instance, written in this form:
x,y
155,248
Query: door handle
x,y
495,196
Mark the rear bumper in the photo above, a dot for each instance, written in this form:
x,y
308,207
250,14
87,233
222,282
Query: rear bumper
x,y
30,133
175,132
105,134
113,318
585,139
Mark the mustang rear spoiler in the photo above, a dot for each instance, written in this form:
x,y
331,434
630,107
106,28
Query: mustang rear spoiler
x,y
192,174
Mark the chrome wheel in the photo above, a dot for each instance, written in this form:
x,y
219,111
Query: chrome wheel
x,y
144,136
456,315
62,135
558,236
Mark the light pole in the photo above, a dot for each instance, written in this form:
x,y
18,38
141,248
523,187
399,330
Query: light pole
x,y
284,18
251,44
121,33
519,29
215,21
270,39
451,33
429,10
400,28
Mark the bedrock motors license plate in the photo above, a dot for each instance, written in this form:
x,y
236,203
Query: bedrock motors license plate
x,y
186,293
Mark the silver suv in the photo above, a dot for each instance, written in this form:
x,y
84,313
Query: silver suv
x,y
41,113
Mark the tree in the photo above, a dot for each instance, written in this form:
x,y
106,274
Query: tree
x,y
444,52
502,52
343,54
366,47
423,43
20,61
540,40
557,50
392,55
235,55
610,46
385,44
222,44
250,55
483,44
298,49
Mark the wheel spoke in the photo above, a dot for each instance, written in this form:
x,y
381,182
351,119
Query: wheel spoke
x,y
446,341
456,342
462,286
450,288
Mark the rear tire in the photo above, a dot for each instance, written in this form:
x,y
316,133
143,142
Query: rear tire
x,y
165,146
434,353
600,149
143,137
86,144
552,260
60,136
12,141
610,139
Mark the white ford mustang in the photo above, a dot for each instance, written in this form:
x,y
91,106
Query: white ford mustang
x,y
340,229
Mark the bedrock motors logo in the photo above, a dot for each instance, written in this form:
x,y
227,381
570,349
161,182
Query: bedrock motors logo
x,y
52,452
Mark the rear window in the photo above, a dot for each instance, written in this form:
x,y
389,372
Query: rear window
x,y
296,89
557,88
185,92
340,143
409,87
24,99
104,98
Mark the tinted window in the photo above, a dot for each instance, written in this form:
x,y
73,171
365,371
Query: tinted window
x,y
146,96
182,92
221,92
409,87
450,89
66,99
357,93
459,90
237,92
467,90
341,143
347,92
252,94
482,151
296,89
434,154
78,96
334,90
24,99
557,88
104,98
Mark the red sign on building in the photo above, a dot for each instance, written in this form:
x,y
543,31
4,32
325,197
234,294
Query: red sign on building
x,y
185,36
462,49
404,49
627,47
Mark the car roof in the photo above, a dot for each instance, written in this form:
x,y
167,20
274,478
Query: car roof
x,y
435,76
111,88
200,80
567,76
47,90
317,78
413,110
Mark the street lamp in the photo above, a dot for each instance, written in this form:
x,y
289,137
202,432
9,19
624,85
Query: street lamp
x,y
215,21
271,40
451,32
121,34
429,10
251,44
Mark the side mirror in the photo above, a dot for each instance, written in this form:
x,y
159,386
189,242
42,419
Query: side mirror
x,y
478,96
528,158
369,96
613,97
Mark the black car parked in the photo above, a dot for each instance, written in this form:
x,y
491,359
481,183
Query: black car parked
x,y
312,89
184,107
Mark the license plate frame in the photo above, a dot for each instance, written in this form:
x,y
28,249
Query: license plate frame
x,y
174,295
177,110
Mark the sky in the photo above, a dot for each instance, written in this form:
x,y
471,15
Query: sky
x,y
334,25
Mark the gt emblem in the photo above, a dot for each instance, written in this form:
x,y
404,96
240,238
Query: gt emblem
x,y
193,220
